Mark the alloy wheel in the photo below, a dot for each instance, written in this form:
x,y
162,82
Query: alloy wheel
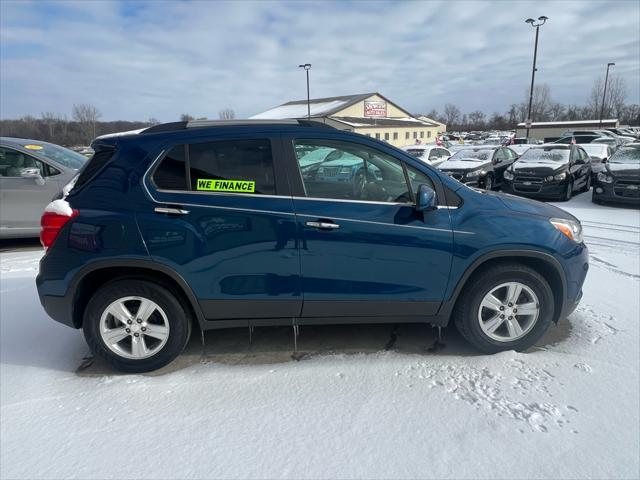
x,y
508,312
134,327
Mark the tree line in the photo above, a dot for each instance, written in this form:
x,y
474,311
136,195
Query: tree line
x,y
83,126
545,109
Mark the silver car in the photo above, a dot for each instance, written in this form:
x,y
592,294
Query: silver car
x,y
31,174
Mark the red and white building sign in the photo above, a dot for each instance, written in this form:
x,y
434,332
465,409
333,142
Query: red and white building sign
x,y
375,109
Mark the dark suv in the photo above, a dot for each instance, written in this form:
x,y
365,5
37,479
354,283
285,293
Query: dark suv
x,y
240,224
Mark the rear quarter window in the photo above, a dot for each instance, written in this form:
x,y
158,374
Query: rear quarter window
x,y
99,159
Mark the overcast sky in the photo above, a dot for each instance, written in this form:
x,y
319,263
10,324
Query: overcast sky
x,y
136,60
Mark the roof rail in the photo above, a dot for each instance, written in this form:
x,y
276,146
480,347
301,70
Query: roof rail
x,y
219,123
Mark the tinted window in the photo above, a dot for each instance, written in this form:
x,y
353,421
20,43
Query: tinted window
x,y
351,171
171,173
99,159
243,166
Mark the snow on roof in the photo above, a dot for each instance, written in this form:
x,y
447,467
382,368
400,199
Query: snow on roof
x,y
299,110
120,134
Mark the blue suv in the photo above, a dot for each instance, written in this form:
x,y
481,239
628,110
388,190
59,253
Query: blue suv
x,y
257,223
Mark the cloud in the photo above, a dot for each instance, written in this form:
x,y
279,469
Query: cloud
x,y
136,60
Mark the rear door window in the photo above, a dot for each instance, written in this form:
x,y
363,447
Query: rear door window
x,y
236,166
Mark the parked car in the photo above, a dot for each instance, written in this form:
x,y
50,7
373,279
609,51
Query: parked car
x,y
479,166
549,171
599,153
579,139
31,174
214,225
619,181
620,140
431,154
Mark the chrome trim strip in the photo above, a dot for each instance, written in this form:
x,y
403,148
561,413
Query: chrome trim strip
x,y
377,223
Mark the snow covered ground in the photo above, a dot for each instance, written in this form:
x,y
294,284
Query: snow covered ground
x,y
350,408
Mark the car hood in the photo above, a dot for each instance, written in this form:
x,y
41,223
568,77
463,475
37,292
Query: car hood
x,y
470,164
623,169
527,205
539,168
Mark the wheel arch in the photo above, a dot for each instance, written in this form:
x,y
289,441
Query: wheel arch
x,y
91,277
544,263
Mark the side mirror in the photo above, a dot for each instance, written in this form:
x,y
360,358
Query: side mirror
x,y
32,173
426,199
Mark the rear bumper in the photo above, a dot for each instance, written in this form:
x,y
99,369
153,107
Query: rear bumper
x,y
58,308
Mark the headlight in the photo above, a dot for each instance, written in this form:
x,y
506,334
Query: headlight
x,y
560,176
345,170
549,178
508,175
572,230
604,178
475,173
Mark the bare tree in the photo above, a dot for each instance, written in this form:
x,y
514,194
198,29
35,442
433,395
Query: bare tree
x,y
476,119
227,114
451,114
541,103
87,116
51,120
616,96
185,117
153,121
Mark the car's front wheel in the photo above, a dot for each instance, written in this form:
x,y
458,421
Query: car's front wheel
x,y
488,182
136,325
506,307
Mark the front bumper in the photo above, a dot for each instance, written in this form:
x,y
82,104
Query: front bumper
x,y
627,192
535,188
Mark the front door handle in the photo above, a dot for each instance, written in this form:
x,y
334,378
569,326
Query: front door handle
x,y
171,211
323,225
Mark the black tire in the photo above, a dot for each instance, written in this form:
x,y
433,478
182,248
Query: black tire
x,y
587,184
488,182
568,193
595,199
177,316
468,305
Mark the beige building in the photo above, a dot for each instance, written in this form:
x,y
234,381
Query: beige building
x,y
542,130
369,114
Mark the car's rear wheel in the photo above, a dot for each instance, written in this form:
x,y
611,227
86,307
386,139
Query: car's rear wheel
x,y
506,307
136,325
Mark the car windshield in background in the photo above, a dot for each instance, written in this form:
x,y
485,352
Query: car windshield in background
x,y
596,150
416,152
626,155
61,155
472,155
535,155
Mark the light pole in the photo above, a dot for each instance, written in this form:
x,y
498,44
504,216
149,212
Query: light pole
x,y
541,21
306,67
604,95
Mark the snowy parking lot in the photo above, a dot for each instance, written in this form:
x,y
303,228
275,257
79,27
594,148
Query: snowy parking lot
x,y
362,402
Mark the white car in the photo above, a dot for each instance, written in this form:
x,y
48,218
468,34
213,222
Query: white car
x,y
431,154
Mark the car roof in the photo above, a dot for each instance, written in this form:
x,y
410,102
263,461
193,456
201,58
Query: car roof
x,y
23,141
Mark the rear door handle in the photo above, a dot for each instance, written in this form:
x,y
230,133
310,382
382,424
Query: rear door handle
x,y
171,210
323,225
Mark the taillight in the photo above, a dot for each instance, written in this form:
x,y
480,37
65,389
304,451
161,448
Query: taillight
x,y
54,218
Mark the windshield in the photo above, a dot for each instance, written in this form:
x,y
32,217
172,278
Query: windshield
x,y
58,154
535,155
595,150
416,152
472,155
626,155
